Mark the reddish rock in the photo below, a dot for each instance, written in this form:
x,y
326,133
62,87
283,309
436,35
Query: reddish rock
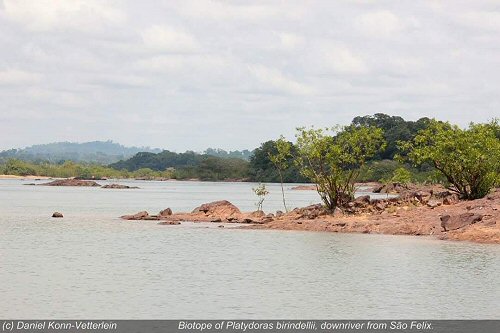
x,y
169,223
449,222
72,182
362,201
223,209
434,203
138,216
165,212
257,214
118,186
451,199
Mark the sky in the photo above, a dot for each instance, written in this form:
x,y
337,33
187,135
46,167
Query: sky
x,y
182,75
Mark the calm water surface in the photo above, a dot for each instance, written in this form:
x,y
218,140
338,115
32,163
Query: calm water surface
x,y
93,265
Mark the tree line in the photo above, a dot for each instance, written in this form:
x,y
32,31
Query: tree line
x,y
371,148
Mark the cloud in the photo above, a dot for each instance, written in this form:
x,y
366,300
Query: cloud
x,y
18,77
381,23
218,10
236,65
340,59
46,15
290,40
277,80
487,20
168,39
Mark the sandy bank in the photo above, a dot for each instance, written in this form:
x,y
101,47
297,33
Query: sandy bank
x,y
23,177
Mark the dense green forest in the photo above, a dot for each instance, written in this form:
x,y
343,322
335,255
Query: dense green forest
x,y
386,164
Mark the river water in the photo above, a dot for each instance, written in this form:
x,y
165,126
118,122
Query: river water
x,y
91,264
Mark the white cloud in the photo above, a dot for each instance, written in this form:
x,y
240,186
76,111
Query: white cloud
x,y
381,24
341,59
481,19
219,10
164,38
277,80
18,77
46,15
290,40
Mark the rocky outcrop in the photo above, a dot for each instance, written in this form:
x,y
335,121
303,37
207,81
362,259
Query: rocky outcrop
x,y
304,188
57,215
418,212
454,222
218,209
165,212
72,182
119,186
137,216
169,223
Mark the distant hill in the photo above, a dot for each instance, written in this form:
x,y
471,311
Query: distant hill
x,y
102,152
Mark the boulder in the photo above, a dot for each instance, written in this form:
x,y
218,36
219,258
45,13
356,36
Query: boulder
x,y
166,212
361,201
434,203
118,186
312,211
223,209
71,182
454,222
169,223
138,216
451,199
279,213
378,188
257,214
57,214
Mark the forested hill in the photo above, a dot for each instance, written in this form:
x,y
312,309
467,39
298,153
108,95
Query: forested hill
x,y
216,164
102,152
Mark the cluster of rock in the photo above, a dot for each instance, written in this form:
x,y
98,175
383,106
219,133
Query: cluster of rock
x,y
217,211
72,182
119,186
406,198
431,211
84,183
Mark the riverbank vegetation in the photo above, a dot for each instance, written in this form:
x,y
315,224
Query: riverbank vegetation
x,y
395,151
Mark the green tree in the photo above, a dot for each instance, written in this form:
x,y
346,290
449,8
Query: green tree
x,y
468,158
280,159
401,176
333,162
261,193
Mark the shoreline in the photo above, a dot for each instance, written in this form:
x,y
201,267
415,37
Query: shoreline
x,y
412,214
30,177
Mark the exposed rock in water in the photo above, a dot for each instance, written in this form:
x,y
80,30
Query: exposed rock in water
x,y
223,209
90,178
304,188
169,223
57,214
165,212
119,186
72,182
449,222
138,216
